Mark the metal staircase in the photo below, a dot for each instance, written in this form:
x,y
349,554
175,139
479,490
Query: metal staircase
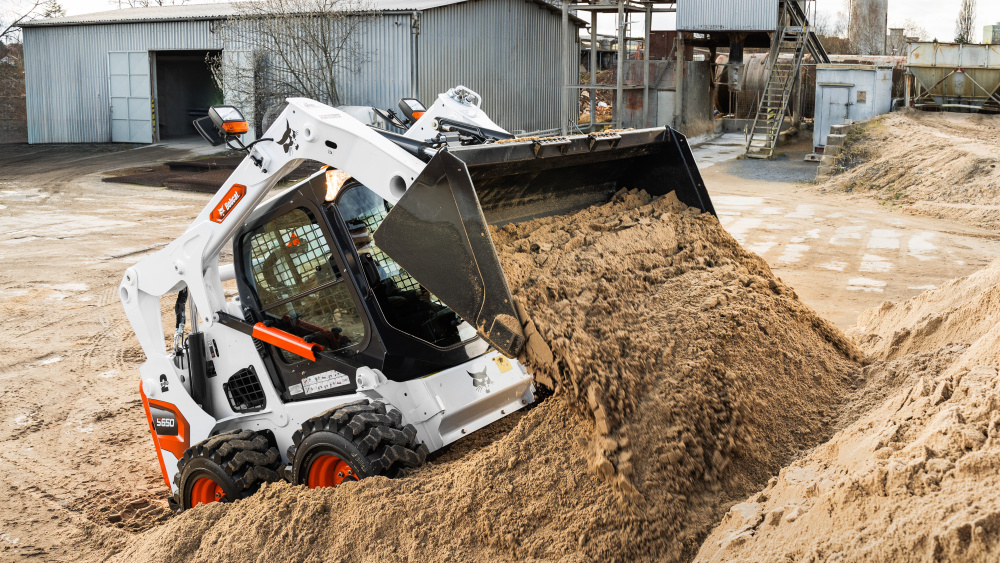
x,y
794,36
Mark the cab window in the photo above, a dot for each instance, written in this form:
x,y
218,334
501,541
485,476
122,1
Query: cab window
x,y
299,284
406,304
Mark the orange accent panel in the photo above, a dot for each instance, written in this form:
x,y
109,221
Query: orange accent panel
x,y
149,419
417,115
228,202
174,444
235,127
285,341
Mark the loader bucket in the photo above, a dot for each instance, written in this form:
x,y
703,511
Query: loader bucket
x,y
438,230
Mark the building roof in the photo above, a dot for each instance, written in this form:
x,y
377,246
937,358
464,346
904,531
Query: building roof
x,y
211,11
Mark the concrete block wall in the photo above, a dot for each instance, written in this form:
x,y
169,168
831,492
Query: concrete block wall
x,y
834,144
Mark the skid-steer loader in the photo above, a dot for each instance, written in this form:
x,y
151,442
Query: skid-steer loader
x,y
371,323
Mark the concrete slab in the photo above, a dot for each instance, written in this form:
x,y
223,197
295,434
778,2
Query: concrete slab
x,y
718,149
842,253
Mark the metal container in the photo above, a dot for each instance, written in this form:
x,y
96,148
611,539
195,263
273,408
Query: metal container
x,y
955,75
727,15
848,93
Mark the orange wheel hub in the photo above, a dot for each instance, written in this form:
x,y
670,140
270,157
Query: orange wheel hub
x,y
204,491
329,471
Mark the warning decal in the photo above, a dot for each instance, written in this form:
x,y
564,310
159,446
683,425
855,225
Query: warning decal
x,y
324,381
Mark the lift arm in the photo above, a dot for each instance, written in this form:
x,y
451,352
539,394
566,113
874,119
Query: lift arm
x,y
305,130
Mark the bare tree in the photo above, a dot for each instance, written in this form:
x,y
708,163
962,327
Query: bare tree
x,y
145,3
832,32
914,30
13,117
289,48
869,23
15,12
966,22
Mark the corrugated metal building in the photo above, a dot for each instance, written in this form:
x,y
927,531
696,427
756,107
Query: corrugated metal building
x,y
727,15
138,75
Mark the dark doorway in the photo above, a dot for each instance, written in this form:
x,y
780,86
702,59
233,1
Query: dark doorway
x,y
184,91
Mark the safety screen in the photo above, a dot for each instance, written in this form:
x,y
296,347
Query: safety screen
x,y
299,284
406,304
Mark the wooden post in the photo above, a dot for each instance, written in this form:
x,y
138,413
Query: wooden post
x,y
907,81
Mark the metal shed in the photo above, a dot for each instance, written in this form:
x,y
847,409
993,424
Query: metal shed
x,y
130,75
849,93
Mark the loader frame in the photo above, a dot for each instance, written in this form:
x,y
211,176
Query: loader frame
x,y
442,407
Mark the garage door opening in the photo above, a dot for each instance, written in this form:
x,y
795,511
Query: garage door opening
x,y
184,91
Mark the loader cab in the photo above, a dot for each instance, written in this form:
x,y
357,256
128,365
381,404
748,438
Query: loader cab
x,y
309,267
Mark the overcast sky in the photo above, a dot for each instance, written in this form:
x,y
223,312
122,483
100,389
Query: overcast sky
x,y
936,16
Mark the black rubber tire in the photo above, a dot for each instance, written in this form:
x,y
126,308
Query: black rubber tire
x,y
370,438
238,461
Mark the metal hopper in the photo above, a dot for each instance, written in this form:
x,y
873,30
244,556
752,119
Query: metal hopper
x,y
955,76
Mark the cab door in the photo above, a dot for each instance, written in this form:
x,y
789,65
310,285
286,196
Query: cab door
x,y
296,283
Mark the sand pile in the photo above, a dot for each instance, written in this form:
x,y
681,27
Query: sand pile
x,y
684,374
937,164
965,310
917,477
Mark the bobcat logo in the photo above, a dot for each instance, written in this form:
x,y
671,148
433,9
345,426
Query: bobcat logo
x,y
481,381
289,138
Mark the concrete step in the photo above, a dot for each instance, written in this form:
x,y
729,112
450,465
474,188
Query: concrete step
x,y
835,140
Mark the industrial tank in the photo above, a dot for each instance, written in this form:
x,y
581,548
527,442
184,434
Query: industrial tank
x,y
955,76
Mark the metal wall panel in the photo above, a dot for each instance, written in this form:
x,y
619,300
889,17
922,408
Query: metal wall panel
x,y
380,77
66,73
727,15
509,51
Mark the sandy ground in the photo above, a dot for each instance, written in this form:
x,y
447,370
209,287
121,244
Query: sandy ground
x,y
77,470
913,474
937,164
843,253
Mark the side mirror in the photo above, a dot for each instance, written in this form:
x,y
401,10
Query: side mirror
x,y
221,123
